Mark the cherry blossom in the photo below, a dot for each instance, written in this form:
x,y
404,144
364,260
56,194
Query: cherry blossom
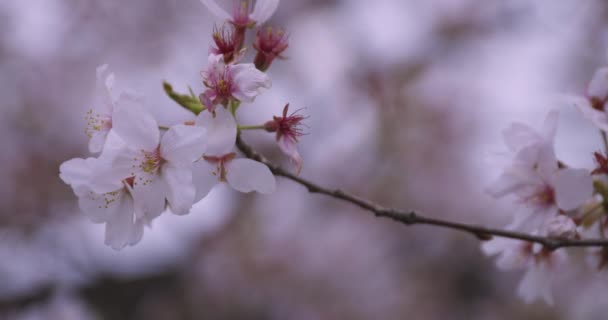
x,y
244,15
593,106
541,265
219,163
242,82
160,167
110,201
288,129
536,180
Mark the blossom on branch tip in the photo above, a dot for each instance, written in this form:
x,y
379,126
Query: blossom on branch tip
x,y
270,44
219,162
160,166
535,178
114,203
244,15
288,128
242,82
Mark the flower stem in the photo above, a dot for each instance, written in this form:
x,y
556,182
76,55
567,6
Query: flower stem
x,y
605,139
258,127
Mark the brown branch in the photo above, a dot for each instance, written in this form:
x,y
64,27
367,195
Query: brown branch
x,y
409,217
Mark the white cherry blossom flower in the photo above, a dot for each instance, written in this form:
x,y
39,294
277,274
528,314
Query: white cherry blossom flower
x,y
115,203
219,163
541,265
244,15
593,106
242,82
536,180
161,167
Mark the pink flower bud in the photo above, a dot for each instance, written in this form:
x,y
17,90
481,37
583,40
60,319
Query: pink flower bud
x,y
269,43
562,227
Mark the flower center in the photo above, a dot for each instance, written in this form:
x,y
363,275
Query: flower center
x,y
597,103
220,164
151,161
544,196
96,123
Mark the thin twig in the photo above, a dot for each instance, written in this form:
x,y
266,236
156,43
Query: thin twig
x,y
410,217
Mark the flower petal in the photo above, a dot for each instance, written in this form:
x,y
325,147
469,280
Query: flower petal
x,y
100,207
183,144
136,126
263,10
549,127
287,144
81,174
203,178
221,131
246,175
249,81
180,190
216,9
597,117
120,227
573,187
598,87
149,198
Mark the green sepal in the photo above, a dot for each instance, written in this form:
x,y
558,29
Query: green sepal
x,y
189,102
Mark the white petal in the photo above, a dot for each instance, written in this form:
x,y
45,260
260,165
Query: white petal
x,y
519,135
183,144
216,9
104,102
597,117
547,162
535,284
136,126
97,141
180,190
221,131
246,175
83,173
149,198
203,178
100,207
549,127
573,187
598,87
249,81
288,146
263,10
508,182
121,226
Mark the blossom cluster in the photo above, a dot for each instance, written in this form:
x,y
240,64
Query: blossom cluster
x,y
555,199
141,169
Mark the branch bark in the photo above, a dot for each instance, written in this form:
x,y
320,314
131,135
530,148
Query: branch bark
x,y
410,217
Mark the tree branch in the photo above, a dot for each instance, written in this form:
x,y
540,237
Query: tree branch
x,y
410,217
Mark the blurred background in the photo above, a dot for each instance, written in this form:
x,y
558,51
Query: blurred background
x,y
406,102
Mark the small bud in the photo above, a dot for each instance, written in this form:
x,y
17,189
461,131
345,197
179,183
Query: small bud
x,y
562,227
270,44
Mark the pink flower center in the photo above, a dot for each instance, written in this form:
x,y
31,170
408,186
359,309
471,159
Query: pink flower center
x,y
543,197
